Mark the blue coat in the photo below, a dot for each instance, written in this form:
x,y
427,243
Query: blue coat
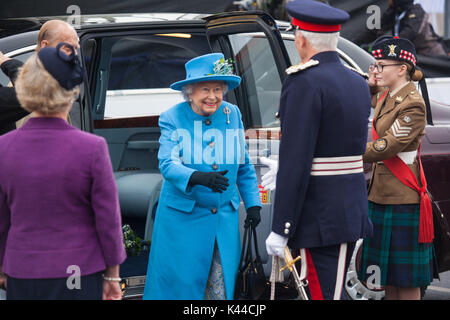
x,y
324,112
190,219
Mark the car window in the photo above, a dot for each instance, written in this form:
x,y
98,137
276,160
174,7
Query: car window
x,y
294,56
141,69
261,80
292,51
260,75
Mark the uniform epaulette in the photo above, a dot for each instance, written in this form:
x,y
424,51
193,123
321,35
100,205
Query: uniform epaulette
x,y
301,66
362,74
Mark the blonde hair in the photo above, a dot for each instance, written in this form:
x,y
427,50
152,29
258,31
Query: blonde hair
x,y
416,76
38,91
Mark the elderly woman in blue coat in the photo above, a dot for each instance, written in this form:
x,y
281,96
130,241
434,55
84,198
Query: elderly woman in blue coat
x,y
195,246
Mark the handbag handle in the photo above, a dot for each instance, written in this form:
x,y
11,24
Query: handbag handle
x,y
247,252
249,255
244,247
257,256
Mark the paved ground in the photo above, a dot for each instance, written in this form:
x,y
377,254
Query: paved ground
x,y
439,290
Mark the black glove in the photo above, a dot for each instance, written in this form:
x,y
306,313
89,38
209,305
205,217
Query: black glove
x,y
253,217
216,181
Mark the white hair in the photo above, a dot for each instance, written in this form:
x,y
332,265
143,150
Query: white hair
x,y
322,41
188,89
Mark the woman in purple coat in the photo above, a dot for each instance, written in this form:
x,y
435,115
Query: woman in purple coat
x,y
60,224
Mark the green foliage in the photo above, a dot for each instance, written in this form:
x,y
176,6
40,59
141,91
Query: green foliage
x,y
133,244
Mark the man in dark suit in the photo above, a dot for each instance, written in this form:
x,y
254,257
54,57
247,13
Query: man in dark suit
x,y
51,33
321,198
10,109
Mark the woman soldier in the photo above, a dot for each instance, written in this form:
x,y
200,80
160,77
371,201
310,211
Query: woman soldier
x,y
399,207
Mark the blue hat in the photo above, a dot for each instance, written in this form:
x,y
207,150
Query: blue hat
x,y
394,48
209,67
66,69
316,16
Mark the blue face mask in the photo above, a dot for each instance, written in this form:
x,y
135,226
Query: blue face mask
x,y
65,68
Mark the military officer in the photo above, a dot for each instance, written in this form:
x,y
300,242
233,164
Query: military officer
x,y
321,198
399,207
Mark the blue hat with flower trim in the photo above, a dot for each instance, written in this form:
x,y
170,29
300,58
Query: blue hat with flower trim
x,y
208,67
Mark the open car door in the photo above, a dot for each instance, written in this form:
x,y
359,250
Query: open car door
x,y
253,42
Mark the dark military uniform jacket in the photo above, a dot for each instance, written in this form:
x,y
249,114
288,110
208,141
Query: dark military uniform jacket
x,y
400,122
324,111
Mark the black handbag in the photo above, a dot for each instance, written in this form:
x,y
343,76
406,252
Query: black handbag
x,y
441,240
251,281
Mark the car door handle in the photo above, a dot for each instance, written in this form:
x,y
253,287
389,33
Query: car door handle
x,y
102,90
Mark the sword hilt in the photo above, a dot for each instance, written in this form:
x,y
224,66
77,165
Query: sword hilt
x,y
290,262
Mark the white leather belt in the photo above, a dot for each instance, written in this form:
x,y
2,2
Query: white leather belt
x,y
337,166
407,157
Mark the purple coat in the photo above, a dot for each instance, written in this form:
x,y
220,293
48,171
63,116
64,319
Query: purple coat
x,y
58,202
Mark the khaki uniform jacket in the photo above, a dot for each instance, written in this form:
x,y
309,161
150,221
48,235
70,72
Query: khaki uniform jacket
x,y
400,122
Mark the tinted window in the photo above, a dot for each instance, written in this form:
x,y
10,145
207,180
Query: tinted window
x,y
261,80
141,70
356,55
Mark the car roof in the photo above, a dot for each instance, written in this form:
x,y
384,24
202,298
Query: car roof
x,y
27,37
130,18
14,26
17,32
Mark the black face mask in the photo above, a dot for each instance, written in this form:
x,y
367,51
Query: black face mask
x,y
402,5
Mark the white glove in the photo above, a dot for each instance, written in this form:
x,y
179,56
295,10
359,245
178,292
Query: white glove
x,y
275,244
269,180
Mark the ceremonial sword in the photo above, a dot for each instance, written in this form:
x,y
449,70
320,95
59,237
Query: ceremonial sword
x,y
300,283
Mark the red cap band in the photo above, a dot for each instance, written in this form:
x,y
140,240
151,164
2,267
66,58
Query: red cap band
x,y
314,27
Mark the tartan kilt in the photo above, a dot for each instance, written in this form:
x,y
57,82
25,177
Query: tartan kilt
x,y
395,249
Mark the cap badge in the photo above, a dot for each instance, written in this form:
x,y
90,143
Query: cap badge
x,y
392,50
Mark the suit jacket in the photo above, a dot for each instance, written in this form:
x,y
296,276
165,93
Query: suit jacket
x,y
324,112
400,122
10,108
58,202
